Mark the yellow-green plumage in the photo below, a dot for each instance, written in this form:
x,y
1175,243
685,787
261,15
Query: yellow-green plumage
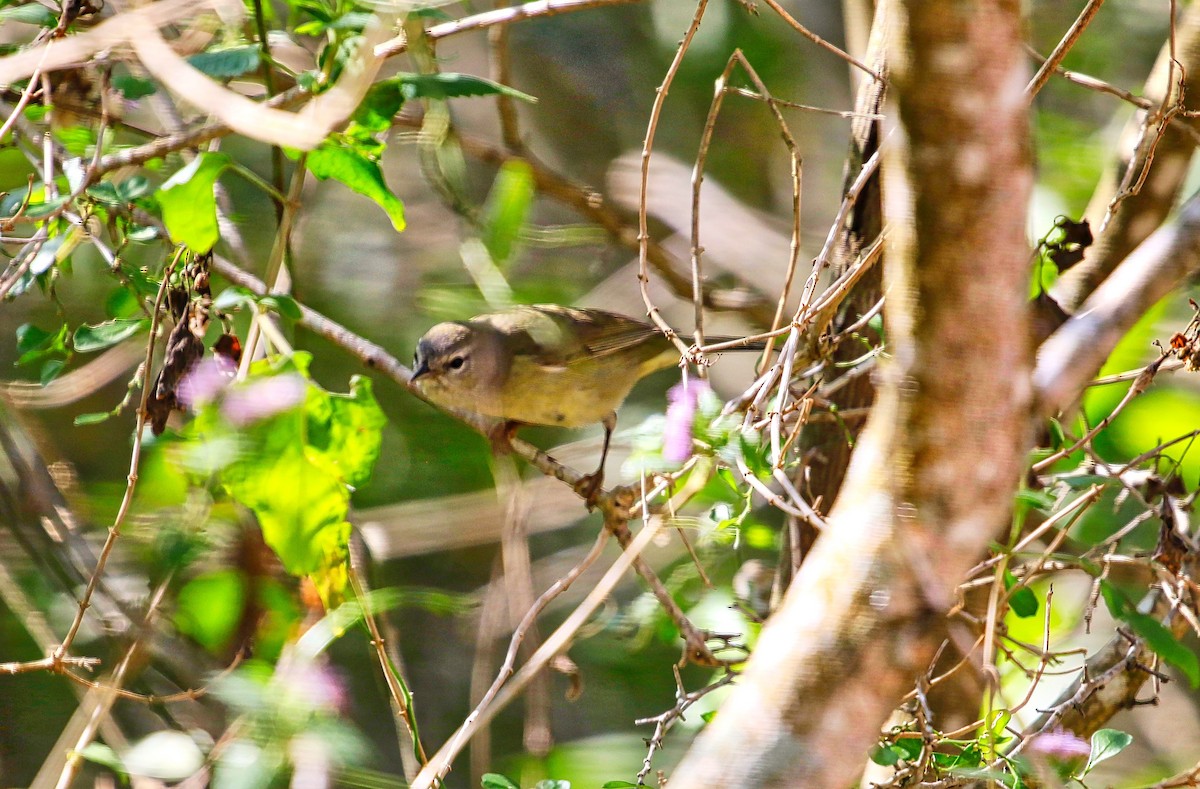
x,y
541,364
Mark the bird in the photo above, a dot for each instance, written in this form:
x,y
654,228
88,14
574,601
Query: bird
x,y
542,364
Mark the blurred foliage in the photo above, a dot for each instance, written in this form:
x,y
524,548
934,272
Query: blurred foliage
x,y
252,488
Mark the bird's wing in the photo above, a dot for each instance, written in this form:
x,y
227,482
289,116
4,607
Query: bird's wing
x,y
556,336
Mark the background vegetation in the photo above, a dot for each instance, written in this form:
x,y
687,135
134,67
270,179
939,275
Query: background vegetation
x,y
442,160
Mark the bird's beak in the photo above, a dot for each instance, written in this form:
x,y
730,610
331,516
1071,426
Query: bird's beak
x,y
421,371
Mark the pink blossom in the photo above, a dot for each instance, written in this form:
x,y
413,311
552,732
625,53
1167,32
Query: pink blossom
x,y
681,413
263,397
315,683
1060,744
204,381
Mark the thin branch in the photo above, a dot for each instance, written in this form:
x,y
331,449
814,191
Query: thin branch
x,y
1064,46
114,531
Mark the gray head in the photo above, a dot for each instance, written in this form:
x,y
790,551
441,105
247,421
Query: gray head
x,y
456,363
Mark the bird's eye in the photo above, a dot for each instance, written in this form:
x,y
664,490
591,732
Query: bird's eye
x,y
457,363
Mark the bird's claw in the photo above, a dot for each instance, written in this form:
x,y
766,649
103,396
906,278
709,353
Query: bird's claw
x,y
590,487
500,436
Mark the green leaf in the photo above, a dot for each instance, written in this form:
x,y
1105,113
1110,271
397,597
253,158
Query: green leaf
x,y
507,208
379,106
1106,743
550,783
189,207
104,192
121,303
35,345
885,756
358,172
101,754
283,304
233,298
909,748
497,781
30,14
345,431
133,88
968,757
133,187
453,86
618,785
296,469
1024,602
209,608
1156,635
228,62
93,418
30,337
1058,437
50,370
97,337
46,255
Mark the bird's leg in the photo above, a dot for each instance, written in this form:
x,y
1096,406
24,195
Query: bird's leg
x,y
590,486
501,436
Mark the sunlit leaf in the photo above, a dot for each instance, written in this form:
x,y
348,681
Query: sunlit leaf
x,y
507,208
209,608
295,468
359,173
189,206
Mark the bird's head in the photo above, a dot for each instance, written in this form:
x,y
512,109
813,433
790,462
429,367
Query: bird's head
x,y
456,362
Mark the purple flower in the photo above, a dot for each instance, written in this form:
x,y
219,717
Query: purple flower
x,y
1060,744
263,397
204,381
681,413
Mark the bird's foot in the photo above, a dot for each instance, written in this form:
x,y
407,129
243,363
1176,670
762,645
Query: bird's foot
x,y
590,487
501,436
